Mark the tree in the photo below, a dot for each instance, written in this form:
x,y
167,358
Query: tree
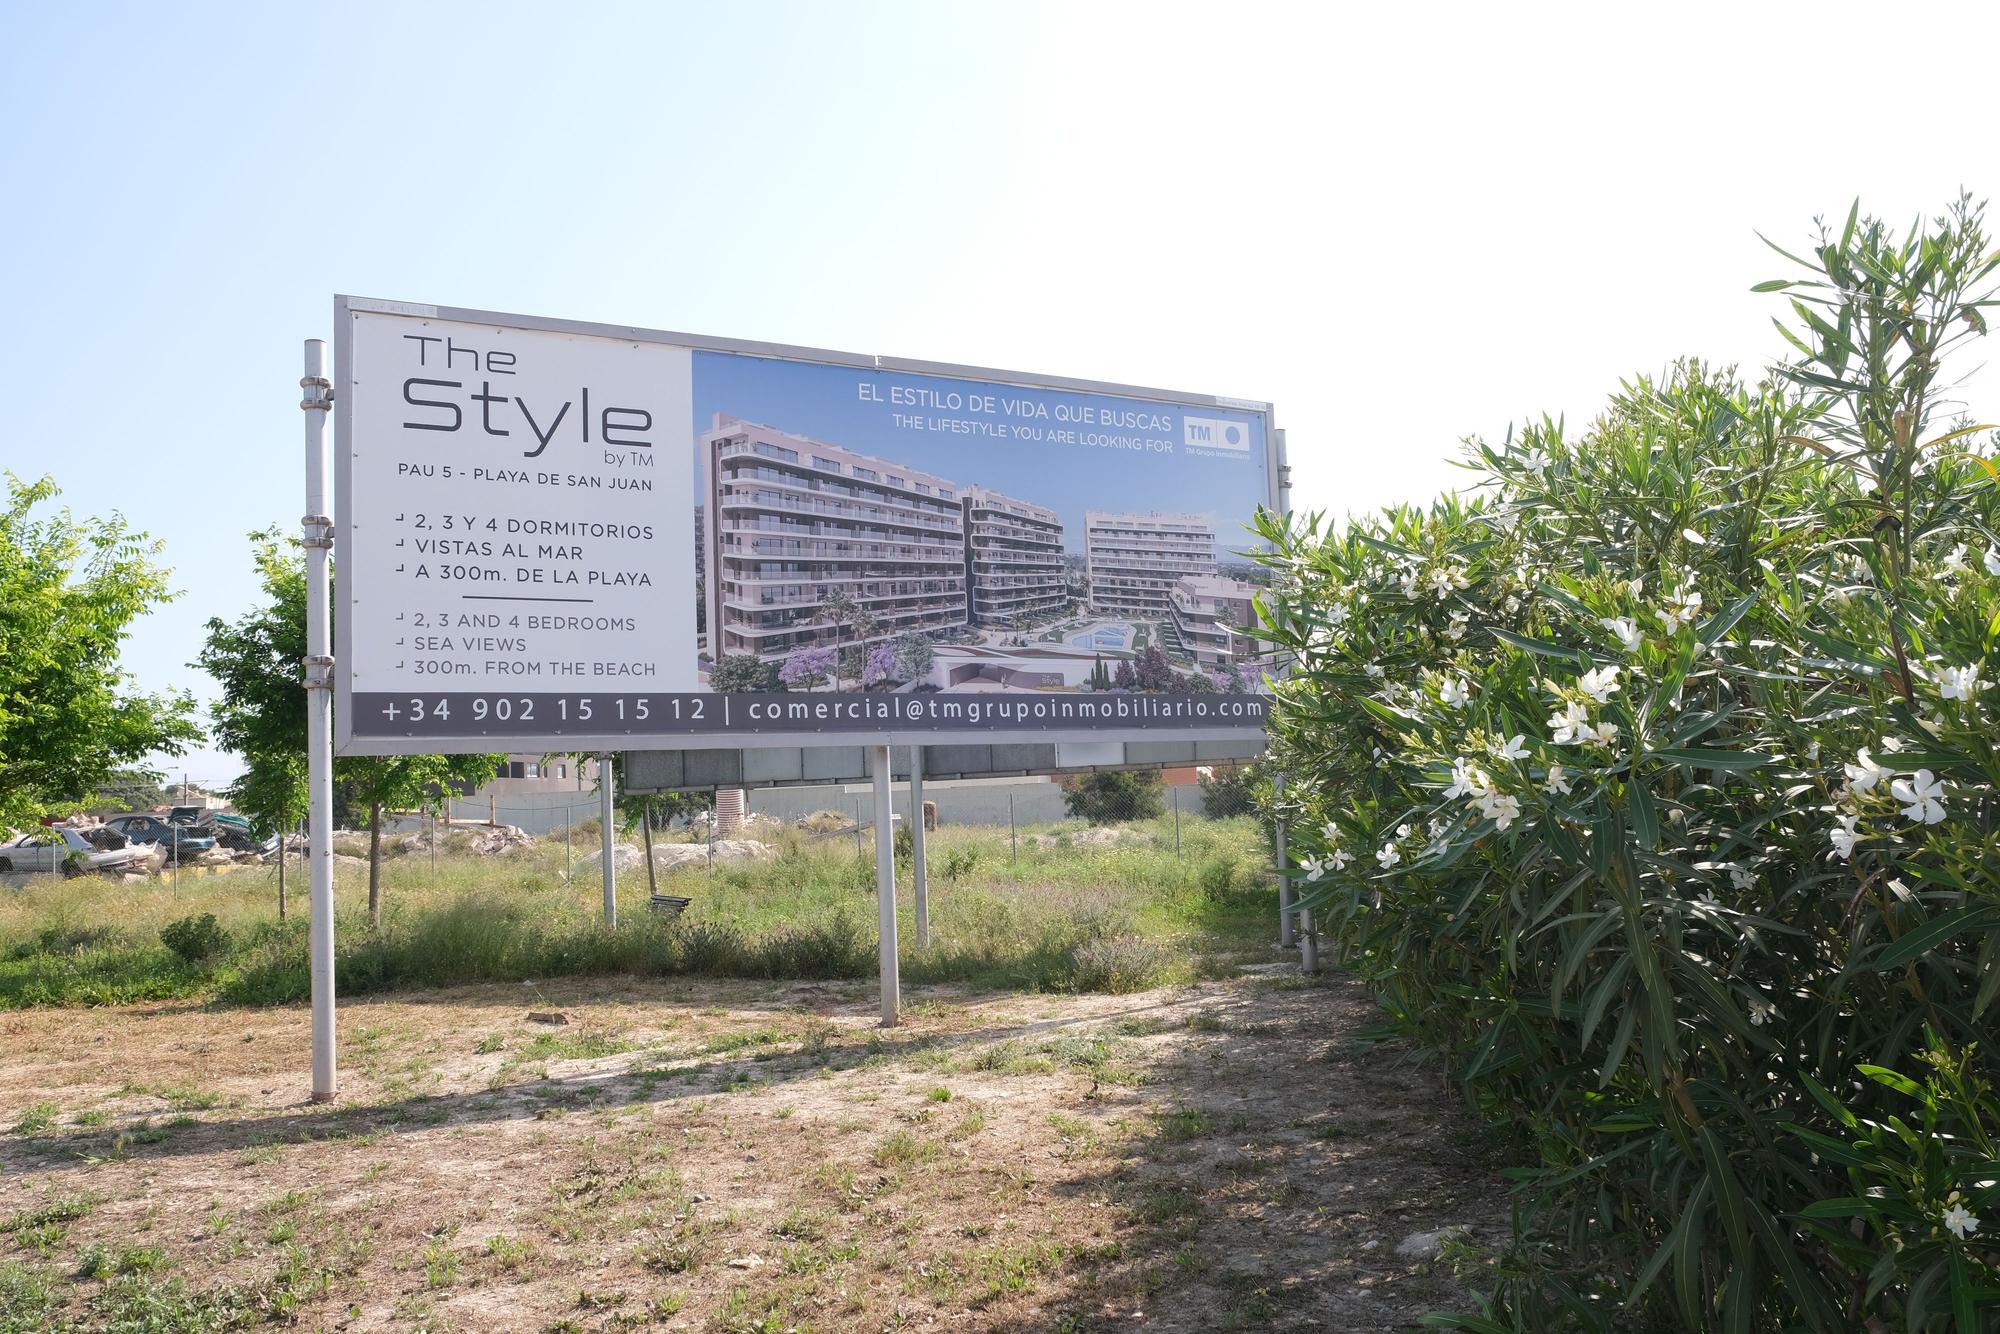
x,y
1100,675
914,656
807,668
261,715
854,622
1154,672
69,591
1126,678
743,673
880,666
1113,797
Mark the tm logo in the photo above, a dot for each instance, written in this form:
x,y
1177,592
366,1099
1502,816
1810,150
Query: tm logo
x,y
1211,433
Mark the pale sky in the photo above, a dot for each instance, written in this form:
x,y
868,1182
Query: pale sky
x,y
1401,225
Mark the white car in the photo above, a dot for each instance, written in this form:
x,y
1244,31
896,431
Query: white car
x,y
52,850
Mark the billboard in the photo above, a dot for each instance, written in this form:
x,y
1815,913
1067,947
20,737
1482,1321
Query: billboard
x,y
564,536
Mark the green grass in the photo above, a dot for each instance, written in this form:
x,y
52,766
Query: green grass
x,y
1061,919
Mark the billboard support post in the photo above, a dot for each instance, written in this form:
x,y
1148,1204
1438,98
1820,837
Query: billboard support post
x,y
317,536
610,863
1284,868
919,868
885,887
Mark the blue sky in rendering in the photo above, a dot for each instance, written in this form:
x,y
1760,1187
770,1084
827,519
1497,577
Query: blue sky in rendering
x,y
1018,445
1398,229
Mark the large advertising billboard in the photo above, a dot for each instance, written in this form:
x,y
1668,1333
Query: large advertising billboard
x,y
562,536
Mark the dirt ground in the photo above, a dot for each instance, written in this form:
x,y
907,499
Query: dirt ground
x,y
739,1156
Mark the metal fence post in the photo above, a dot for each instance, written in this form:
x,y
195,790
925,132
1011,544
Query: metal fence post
x,y
919,877
1284,866
1177,820
1013,838
605,802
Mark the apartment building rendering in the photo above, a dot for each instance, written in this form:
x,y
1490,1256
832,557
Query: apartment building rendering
x,y
1210,615
1134,560
794,520
1014,557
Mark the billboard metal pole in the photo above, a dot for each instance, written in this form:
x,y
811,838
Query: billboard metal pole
x,y
610,863
919,869
885,887
317,402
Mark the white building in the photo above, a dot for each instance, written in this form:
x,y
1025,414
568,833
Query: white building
x,y
1013,551
1209,617
793,520
1133,560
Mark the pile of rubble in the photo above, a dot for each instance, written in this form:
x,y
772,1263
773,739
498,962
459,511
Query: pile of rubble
x,y
673,856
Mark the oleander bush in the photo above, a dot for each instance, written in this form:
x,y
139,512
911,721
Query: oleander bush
x,y
1652,780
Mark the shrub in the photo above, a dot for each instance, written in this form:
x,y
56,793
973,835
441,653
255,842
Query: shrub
x,y
1226,793
1114,797
1655,786
195,939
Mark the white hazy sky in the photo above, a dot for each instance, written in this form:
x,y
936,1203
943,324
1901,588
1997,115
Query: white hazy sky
x,y
1401,224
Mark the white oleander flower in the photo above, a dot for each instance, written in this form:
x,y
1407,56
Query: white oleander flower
x,y
1741,878
1864,775
1536,462
1454,692
1845,837
1600,684
1681,609
1569,726
1388,856
1761,1011
1402,831
1456,630
1500,808
1467,780
1955,562
1922,796
1556,782
1516,748
1374,669
1331,833
1604,734
1636,588
1626,629
1408,579
1340,859
1958,1220
1314,867
1959,682
1992,560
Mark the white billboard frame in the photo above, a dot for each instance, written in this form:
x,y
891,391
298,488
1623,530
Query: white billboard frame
x,y
349,308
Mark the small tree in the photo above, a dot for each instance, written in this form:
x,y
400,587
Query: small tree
x,y
914,656
1154,671
808,668
880,666
742,674
1126,678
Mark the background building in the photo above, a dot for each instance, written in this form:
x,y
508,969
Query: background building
x,y
1014,556
794,520
1209,617
1133,560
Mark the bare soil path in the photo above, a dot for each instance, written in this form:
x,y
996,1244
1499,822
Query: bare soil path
x,y
736,1156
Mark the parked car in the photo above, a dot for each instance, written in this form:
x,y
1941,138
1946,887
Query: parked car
x,y
187,815
59,851
176,841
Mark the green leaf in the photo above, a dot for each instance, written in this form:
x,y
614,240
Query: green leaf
x,y
1890,1079
1931,934
1712,758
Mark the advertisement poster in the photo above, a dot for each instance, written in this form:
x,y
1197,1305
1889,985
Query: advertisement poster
x,y
557,532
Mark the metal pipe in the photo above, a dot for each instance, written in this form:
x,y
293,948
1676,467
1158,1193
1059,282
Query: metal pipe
x,y
1013,840
919,867
1177,820
1308,943
885,888
606,798
1285,940
317,403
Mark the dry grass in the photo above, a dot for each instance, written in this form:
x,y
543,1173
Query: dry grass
x,y
730,1156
